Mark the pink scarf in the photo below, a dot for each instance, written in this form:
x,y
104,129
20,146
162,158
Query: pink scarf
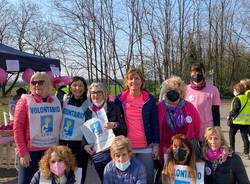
x,y
198,86
213,155
96,108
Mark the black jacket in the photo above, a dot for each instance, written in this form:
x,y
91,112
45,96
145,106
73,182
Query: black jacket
x,y
70,178
232,171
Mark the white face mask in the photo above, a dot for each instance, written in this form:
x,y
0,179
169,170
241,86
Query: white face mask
x,y
235,93
122,166
98,104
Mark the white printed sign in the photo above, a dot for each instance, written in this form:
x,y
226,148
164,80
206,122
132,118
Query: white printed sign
x,y
183,174
12,65
96,135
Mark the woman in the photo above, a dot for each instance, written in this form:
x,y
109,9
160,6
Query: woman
x,y
74,107
180,152
205,97
98,95
222,165
176,115
37,120
58,165
139,109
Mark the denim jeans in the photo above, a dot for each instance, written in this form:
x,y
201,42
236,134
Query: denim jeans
x,y
25,174
148,162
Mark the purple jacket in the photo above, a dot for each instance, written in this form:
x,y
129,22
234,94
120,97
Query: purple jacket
x,y
134,174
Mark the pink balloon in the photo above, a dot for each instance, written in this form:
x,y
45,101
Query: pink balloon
x,y
65,79
51,75
3,75
27,74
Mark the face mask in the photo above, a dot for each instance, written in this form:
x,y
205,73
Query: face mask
x,y
98,104
173,95
57,168
197,77
122,166
180,154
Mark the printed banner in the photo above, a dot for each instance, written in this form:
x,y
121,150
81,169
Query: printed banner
x,y
183,174
96,135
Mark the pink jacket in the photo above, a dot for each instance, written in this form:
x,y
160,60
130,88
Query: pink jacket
x,y
21,126
190,129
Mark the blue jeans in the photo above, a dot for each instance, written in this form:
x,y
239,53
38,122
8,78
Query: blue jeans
x,y
25,174
148,162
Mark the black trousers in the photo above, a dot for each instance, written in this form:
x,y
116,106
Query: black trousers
x,y
244,130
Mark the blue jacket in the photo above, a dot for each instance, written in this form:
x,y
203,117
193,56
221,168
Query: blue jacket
x,y
149,115
134,174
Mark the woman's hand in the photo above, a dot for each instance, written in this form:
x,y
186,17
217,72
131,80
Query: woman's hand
x,y
25,160
89,149
155,152
109,125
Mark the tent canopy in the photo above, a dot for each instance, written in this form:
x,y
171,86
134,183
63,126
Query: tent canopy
x,y
25,60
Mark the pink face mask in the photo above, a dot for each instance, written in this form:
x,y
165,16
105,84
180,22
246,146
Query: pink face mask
x,y
57,168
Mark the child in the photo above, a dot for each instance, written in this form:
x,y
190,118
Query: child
x,y
123,168
236,119
58,165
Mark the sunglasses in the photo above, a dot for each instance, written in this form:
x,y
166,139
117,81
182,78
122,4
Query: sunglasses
x,y
39,82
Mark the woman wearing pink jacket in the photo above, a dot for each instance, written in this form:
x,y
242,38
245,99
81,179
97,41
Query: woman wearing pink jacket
x,y
36,125
175,114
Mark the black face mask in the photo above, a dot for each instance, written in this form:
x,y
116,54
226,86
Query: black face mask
x,y
173,95
197,77
180,154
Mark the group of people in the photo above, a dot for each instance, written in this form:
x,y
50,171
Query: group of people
x,y
181,129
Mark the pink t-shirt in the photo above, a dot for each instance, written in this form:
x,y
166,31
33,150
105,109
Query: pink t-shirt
x,y
133,108
203,100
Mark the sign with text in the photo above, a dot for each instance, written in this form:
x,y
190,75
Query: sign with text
x,y
183,174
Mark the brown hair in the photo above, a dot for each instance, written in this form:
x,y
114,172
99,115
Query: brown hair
x,y
239,88
246,83
75,79
169,170
119,144
65,155
198,67
133,71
